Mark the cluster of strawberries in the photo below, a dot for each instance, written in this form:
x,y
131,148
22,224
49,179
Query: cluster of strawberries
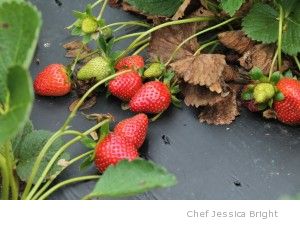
x,y
152,97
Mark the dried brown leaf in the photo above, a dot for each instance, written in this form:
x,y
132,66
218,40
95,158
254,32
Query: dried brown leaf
x,y
269,114
236,40
75,48
202,12
230,73
260,56
86,105
164,41
204,70
200,96
221,113
245,8
180,12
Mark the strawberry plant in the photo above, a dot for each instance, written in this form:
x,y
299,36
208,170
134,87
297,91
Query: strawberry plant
x,y
30,159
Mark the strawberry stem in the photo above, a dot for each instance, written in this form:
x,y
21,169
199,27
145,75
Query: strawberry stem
x,y
196,35
297,61
156,116
166,24
68,182
58,154
141,49
279,45
96,3
273,63
48,183
102,10
202,47
129,23
5,178
127,36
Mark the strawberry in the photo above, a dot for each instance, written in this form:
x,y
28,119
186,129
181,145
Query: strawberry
x,y
98,68
125,85
52,81
154,70
288,109
89,25
113,149
131,62
153,97
134,129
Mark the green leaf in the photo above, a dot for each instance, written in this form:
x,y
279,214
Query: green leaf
x,y
30,149
131,178
20,23
291,33
261,23
156,7
287,5
20,102
86,163
231,6
18,139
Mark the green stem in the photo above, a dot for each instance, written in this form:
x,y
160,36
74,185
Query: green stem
x,y
67,182
196,35
5,178
76,60
273,63
38,161
96,3
88,55
8,154
166,24
141,49
202,47
297,61
102,10
57,155
279,45
48,183
127,36
129,23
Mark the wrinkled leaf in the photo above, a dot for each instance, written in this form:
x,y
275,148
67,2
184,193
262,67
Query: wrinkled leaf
x,y
131,178
222,113
30,149
236,40
203,70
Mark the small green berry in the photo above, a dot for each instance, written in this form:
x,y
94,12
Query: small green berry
x,y
263,92
89,25
107,33
154,70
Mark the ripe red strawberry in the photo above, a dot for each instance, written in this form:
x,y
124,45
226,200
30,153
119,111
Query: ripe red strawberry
x,y
153,97
52,81
113,149
288,110
134,129
131,62
126,85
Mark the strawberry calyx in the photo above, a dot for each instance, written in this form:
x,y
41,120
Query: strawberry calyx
x,y
261,93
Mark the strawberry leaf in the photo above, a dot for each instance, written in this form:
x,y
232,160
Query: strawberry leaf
x,y
19,105
131,178
20,23
291,33
156,7
30,149
231,6
261,23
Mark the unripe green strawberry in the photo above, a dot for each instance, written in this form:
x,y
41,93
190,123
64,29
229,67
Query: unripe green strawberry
x,y
154,70
263,92
107,32
98,68
89,25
